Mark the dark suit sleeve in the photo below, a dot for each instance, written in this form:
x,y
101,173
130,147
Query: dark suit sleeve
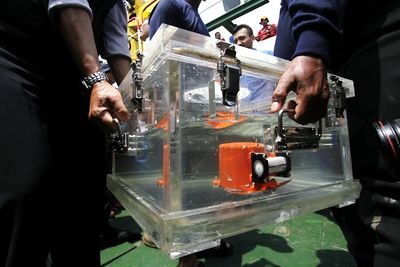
x,y
316,26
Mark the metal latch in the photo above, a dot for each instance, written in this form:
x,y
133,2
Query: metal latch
x,y
137,90
119,140
339,96
295,137
229,74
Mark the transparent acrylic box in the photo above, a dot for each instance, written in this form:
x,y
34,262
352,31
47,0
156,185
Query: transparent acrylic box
x,y
189,175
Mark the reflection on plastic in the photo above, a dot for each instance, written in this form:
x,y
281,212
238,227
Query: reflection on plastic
x,y
224,119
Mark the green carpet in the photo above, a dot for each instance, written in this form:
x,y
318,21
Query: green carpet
x,y
306,241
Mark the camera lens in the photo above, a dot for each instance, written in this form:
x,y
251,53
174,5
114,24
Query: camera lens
x,y
388,133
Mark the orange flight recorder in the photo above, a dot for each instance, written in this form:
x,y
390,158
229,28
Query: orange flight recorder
x,y
245,167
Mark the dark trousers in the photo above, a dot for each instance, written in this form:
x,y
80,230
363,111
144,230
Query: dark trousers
x,y
52,168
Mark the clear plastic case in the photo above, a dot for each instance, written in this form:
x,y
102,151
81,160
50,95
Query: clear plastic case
x,y
195,169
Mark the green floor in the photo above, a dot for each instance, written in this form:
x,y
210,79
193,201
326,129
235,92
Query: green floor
x,y
310,240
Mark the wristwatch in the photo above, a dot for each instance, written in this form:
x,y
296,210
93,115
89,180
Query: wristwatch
x,y
90,80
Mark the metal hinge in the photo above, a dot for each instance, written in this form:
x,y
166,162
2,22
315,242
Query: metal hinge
x,y
119,140
229,74
137,90
338,93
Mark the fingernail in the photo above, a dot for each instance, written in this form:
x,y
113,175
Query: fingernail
x,y
274,106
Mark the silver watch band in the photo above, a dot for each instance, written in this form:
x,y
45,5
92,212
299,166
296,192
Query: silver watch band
x,y
90,80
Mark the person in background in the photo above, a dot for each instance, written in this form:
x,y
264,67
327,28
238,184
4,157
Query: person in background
x,y
243,36
218,36
267,31
52,157
359,40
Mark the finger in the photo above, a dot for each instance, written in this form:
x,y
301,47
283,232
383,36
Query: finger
x,y
107,123
102,117
122,114
280,93
291,106
308,113
120,111
300,114
310,108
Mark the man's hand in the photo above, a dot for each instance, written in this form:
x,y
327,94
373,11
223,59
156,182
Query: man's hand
x,y
106,103
307,77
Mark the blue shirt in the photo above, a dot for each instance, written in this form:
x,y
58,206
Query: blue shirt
x,y
178,13
114,26
260,90
309,27
115,38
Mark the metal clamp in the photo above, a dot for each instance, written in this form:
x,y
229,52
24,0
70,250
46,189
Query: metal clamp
x,y
296,137
137,90
119,140
229,74
339,96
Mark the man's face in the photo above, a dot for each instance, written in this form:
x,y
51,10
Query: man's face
x,y
243,38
